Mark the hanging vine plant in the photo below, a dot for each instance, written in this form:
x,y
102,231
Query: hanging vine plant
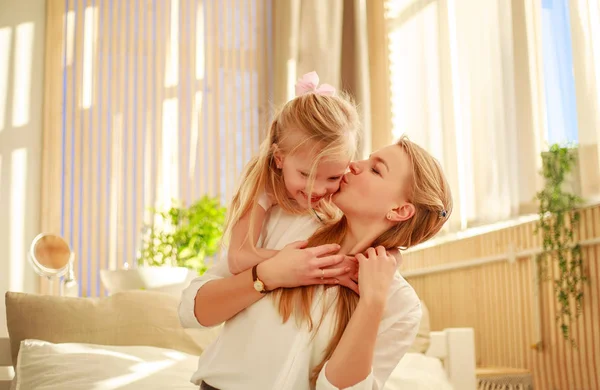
x,y
558,219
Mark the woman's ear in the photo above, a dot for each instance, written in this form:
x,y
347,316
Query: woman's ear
x,y
278,156
401,213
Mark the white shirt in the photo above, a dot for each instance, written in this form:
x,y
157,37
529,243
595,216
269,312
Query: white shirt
x,y
256,351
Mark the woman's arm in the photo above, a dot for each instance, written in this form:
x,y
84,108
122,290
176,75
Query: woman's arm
x,y
243,253
222,298
364,358
352,359
389,347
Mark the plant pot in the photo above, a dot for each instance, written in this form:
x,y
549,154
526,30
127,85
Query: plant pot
x,y
171,280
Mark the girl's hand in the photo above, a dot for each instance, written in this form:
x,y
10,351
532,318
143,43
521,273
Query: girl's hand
x,y
375,274
350,278
295,265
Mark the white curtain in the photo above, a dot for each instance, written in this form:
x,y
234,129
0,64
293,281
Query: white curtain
x,y
585,35
453,91
329,37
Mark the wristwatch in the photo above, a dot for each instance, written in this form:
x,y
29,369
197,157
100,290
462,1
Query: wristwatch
x,y
258,284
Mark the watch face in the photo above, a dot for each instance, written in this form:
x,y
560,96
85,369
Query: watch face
x,y
258,285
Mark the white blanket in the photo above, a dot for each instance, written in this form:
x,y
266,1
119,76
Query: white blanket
x,y
44,365
418,372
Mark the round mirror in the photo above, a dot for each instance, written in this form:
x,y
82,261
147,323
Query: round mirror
x,y
50,255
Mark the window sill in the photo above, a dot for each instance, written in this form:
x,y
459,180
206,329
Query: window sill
x,y
488,228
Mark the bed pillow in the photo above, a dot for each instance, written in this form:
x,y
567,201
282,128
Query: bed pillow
x,y
44,365
423,339
125,318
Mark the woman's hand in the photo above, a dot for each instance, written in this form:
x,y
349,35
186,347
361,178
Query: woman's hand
x,y
295,265
375,274
396,253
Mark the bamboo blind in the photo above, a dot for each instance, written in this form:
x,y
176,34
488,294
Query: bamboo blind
x,y
498,301
145,102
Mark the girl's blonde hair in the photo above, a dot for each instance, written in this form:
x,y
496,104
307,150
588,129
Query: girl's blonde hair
x,y
428,191
327,125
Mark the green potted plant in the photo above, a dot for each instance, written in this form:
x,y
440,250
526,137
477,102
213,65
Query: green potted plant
x,y
558,219
173,247
184,236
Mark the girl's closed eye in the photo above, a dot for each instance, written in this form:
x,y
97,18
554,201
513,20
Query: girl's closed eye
x,y
375,171
303,174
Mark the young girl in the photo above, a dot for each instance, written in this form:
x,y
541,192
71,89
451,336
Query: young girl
x,y
309,145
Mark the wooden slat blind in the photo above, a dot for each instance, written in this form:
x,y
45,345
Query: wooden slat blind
x,y
498,301
145,102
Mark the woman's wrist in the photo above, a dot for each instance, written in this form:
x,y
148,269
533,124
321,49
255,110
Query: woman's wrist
x,y
267,274
373,303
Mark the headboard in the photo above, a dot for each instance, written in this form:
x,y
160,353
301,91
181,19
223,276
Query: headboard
x,y
455,347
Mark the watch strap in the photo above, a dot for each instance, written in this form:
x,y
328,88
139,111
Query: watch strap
x,y
255,278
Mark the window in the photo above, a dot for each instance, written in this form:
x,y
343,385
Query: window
x,y
452,86
146,102
559,82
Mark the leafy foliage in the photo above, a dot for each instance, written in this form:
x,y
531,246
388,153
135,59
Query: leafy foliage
x,y
558,219
184,236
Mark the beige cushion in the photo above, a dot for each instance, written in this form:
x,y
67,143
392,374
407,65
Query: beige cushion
x,y
421,344
125,318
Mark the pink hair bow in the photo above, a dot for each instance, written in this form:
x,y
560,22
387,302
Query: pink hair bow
x,y
309,83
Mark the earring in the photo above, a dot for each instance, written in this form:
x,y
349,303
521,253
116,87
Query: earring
x,y
389,216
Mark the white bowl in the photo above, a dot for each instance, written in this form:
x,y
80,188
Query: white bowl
x,y
171,280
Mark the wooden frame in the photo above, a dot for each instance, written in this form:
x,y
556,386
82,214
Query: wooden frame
x,y
455,347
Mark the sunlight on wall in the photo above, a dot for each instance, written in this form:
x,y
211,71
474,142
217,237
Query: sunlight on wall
x,y
115,190
169,177
195,134
148,167
5,35
90,35
17,256
200,42
22,79
69,21
172,65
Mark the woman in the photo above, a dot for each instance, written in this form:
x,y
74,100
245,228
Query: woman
x,y
302,335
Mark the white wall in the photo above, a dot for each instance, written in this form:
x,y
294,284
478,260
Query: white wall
x,y
22,30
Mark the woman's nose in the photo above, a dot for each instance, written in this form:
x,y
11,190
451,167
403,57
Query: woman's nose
x,y
354,168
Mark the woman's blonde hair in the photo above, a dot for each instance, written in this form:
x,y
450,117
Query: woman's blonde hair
x,y
324,125
428,191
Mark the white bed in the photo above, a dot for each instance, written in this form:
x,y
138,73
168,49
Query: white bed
x,y
449,364
155,352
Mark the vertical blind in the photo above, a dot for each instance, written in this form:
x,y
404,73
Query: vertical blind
x,y
145,102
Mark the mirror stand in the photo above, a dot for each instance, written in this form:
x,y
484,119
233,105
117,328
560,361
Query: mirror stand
x,y
52,258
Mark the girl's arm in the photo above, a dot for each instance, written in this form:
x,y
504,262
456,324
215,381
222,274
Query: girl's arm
x,y
243,254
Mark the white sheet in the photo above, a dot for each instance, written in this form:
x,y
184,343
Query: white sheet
x,y
418,372
74,366
43,365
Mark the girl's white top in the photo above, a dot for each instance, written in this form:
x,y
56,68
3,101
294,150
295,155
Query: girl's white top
x,y
256,351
